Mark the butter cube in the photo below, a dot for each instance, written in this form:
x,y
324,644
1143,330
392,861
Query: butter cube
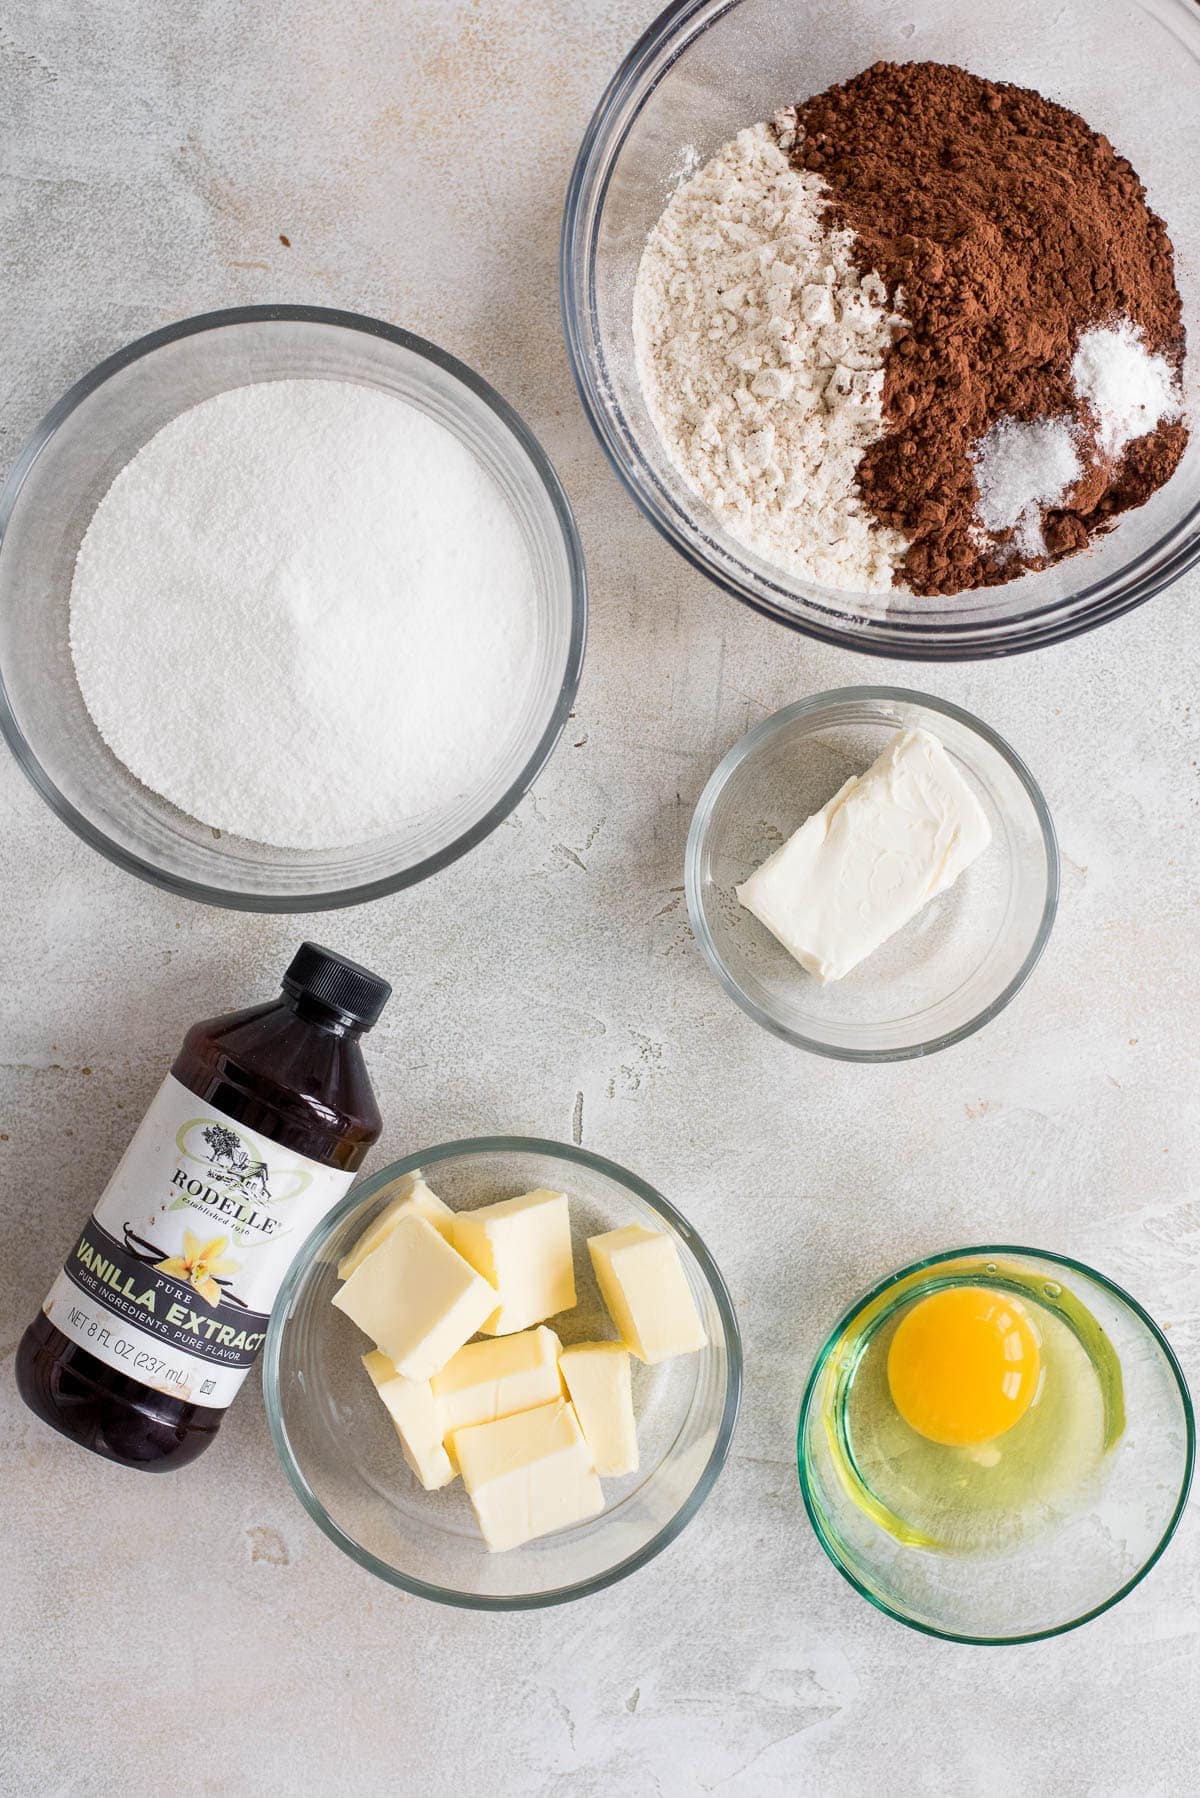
x,y
418,1424
523,1247
486,1380
647,1295
597,1378
414,1199
862,867
416,1298
528,1474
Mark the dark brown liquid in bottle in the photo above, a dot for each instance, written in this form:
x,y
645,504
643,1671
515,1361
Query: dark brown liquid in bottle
x,y
291,1070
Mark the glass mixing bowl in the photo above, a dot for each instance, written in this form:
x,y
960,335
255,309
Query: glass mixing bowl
x,y
1091,1549
706,68
47,504
950,970
339,1448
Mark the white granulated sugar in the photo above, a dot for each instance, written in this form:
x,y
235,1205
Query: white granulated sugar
x,y
304,614
1019,469
760,352
1129,390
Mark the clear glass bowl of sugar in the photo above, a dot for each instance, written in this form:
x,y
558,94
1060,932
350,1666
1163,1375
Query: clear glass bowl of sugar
x,y
339,1448
49,500
949,971
706,68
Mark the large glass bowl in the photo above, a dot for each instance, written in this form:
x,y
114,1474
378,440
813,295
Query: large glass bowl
x,y
952,968
703,70
339,1449
1091,1550
47,504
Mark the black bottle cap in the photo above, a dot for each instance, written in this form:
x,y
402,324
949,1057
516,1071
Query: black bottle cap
x,y
340,984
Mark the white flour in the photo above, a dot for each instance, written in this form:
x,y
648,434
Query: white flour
x,y
304,614
760,353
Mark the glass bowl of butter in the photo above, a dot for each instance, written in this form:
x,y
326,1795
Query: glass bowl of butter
x,y
474,1483
872,874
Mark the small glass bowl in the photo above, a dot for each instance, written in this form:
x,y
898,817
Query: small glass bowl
x,y
1092,1554
960,960
339,1449
706,68
47,504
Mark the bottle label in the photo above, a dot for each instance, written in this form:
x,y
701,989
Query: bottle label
x,y
172,1279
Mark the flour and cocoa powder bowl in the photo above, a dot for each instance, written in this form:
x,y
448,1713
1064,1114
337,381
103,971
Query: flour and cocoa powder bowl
x,y
1022,469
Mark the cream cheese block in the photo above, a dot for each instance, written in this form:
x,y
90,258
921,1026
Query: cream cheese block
x,y
414,1412
528,1474
413,1199
416,1298
862,867
646,1291
486,1380
522,1247
597,1378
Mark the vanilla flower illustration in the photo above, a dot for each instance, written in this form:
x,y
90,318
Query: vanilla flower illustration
x,y
198,1263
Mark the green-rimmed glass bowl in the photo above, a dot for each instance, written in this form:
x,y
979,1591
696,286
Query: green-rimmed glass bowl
x,y
339,1449
1082,1559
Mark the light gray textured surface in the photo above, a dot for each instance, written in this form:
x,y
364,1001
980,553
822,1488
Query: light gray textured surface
x,y
198,1630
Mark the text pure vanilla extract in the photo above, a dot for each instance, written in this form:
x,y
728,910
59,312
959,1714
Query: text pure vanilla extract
x,y
162,1305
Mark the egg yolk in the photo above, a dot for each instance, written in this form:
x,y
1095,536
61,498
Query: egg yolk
x,y
963,1366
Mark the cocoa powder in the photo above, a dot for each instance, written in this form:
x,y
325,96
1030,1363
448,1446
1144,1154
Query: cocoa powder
x,y
1003,227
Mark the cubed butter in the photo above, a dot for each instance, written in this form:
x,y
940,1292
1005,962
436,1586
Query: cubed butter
x,y
414,1412
416,1298
523,1248
646,1292
863,866
528,1474
414,1199
486,1380
597,1378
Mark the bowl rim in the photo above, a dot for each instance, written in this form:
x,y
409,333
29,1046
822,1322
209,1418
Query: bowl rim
x,y
1057,621
560,506
427,1158
745,747
1173,1367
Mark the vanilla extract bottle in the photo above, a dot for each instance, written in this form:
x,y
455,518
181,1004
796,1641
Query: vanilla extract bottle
x,y
162,1305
